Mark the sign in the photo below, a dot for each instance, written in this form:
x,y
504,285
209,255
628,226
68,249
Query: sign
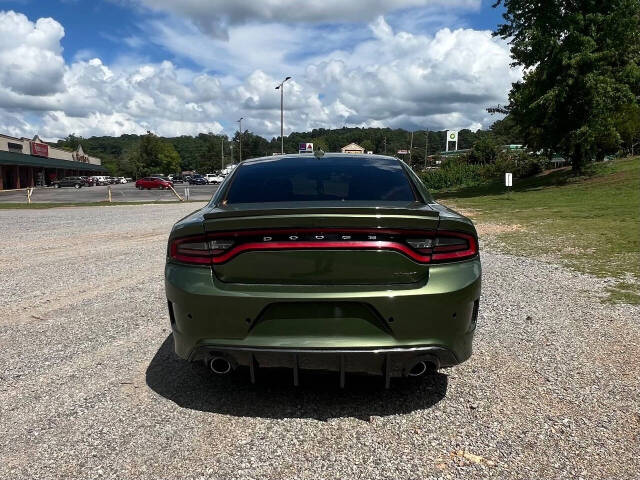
x,y
452,136
39,149
508,179
14,147
305,148
403,152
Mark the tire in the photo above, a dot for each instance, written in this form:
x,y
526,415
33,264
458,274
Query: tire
x,y
77,185
57,185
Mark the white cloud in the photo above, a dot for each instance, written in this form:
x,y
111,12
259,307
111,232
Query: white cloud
x,y
216,17
30,54
387,77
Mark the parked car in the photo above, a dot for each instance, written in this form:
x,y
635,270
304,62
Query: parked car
x,y
121,180
153,182
214,178
177,179
88,181
101,180
76,182
332,262
198,180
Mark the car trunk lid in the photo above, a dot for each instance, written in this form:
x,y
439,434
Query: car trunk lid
x,y
320,244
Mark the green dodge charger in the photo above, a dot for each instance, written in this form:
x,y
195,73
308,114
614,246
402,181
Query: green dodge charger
x,y
324,262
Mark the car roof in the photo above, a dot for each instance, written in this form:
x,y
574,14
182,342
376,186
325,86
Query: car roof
x,y
286,156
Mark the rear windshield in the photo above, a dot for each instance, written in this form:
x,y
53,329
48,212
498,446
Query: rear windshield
x,y
321,179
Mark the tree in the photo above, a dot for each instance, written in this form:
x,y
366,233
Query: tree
x,y
154,155
485,150
581,62
628,125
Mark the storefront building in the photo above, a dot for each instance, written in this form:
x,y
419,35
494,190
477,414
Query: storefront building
x,y
29,163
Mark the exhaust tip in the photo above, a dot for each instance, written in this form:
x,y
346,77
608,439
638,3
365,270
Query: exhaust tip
x,y
418,369
220,365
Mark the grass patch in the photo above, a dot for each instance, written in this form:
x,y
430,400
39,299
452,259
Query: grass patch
x,y
590,223
35,206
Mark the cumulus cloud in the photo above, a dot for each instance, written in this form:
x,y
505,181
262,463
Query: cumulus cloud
x,y
387,78
30,54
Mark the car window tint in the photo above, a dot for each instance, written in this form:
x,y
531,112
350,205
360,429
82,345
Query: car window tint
x,y
321,179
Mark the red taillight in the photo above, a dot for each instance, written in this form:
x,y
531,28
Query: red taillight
x,y
198,249
420,246
454,246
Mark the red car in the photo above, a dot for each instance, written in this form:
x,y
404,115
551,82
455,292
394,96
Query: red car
x,y
153,182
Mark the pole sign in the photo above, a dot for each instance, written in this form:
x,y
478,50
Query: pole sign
x,y
39,149
403,152
305,148
508,179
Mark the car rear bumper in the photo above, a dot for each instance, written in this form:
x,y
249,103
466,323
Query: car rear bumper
x,y
370,329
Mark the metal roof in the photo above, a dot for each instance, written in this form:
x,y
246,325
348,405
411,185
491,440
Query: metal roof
x,y
11,158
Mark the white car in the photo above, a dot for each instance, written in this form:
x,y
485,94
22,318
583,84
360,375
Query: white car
x,y
214,178
122,180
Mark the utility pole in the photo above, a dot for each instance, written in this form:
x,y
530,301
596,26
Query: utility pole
x,y
240,140
385,145
410,148
222,152
426,147
281,88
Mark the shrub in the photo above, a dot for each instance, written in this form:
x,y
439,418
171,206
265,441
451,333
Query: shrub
x,y
457,172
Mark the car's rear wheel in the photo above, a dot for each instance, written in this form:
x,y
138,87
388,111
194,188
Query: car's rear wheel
x,y
57,185
77,185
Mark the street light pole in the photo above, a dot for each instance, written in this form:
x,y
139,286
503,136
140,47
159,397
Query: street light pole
x,y
281,88
240,140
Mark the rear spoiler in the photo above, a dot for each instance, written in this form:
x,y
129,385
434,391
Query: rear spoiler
x,y
420,210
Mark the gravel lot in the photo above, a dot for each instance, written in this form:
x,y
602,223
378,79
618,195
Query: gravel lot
x,y
90,388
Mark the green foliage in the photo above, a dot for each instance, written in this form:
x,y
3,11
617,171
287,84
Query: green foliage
x,y
203,153
154,155
458,172
485,150
581,62
452,173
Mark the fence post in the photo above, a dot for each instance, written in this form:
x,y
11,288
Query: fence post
x,y
176,193
109,193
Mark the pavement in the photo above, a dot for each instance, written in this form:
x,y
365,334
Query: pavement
x,y
119,193
90,387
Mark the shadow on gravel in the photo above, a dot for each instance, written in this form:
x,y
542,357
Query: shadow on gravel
x,y
273,396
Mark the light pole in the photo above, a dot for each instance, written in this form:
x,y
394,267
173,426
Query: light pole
x,y
281,88
240,140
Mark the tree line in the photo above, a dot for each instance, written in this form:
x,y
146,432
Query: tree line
x,y
140,155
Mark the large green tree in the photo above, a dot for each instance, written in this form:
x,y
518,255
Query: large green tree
x,y
155,155
581,67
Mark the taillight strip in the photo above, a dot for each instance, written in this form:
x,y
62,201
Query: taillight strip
x,y
320,245
435,254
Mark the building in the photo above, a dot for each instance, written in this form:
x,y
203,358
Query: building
x,y
352,148
27,163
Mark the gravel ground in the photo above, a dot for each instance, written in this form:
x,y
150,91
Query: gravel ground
x,y
90,388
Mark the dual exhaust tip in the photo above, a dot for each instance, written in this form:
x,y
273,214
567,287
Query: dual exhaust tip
x,y
222,366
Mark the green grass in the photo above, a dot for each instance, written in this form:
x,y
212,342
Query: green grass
x,y
590,223
26,206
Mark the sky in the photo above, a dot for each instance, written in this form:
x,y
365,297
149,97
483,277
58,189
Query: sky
x,y
111,67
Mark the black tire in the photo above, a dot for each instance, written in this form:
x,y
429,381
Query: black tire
x,y
57,185
77,185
